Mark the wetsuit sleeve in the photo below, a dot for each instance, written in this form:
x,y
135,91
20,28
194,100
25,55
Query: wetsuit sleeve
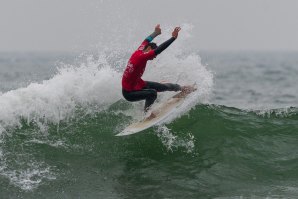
x,y
147,40
152,53
151,37
164,45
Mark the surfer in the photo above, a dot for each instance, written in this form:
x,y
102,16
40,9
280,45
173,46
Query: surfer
x,y
136,89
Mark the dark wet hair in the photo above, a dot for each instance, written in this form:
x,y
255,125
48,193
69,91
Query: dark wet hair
x,y
152,45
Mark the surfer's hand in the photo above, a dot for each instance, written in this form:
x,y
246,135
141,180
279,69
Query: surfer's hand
x,y
175,32
157,29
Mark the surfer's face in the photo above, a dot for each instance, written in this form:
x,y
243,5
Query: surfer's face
x,y
150,46
147,49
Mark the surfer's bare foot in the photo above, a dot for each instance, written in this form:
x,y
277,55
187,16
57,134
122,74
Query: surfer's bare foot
x,y
188,89
151,116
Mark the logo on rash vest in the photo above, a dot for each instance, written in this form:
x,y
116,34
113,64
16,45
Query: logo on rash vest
x,y
130,67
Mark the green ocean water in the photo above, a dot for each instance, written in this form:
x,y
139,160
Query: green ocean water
x,y
230,153
214,150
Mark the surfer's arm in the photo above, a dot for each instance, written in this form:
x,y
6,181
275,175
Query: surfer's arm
x,y
148,39
167,43
151,37
156,32
164,45
152,53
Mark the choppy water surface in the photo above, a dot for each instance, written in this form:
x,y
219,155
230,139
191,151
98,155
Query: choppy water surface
x,y
236,137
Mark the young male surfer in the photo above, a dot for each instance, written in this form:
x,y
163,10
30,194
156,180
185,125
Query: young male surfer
x,y
136,89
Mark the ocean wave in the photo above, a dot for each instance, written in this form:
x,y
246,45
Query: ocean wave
x,y
93,133
60,113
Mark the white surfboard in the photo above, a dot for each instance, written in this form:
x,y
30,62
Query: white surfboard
x,y
161,113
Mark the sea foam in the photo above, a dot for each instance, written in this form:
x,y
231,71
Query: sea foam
x,y
92,85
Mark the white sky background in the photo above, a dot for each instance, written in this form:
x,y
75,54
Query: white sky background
x,y
74,25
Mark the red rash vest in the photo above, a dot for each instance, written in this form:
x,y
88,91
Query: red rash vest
x,y
131,80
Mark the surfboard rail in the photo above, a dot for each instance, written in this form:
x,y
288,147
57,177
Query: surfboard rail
x,y
161,113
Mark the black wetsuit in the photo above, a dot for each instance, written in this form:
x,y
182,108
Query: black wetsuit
x,y
149,91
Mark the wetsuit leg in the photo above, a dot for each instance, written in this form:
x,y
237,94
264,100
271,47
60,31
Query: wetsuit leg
x,y
163,87
149,95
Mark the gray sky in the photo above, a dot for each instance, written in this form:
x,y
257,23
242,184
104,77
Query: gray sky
x,y
67,25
